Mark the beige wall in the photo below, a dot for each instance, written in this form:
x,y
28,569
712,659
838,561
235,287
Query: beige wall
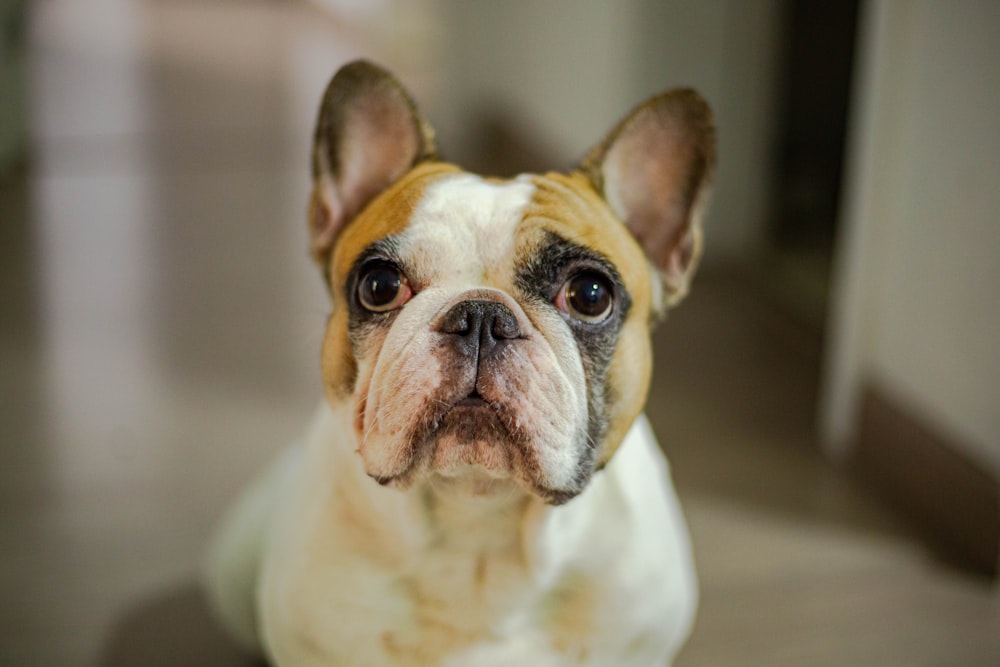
x,y
917,309
569,70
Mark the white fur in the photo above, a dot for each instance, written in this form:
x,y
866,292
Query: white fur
x,y
326,597
464,229
319,565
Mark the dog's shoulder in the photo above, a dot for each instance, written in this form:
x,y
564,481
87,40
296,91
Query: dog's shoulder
x,y
630,555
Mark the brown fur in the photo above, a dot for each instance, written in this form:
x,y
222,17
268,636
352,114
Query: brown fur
x,y
386,215
569,206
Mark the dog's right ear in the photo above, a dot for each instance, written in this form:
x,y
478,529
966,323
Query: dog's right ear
x,y
655,171
368,134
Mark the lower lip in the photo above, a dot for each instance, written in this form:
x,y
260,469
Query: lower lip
x,y
472,402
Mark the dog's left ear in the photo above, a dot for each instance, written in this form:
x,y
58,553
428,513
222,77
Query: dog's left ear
x,y
655,169
368,134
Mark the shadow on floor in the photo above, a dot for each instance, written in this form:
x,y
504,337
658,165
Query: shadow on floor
x,y
173,627
733,402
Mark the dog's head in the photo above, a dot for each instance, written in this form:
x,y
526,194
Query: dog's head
x,y
487,329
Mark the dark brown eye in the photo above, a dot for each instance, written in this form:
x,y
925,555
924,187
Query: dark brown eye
x,y
383,288
587,296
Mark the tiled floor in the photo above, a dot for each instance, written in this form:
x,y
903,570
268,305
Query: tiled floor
x,y
159,340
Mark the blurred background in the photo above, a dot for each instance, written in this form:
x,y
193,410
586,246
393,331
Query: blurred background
x,y
828,395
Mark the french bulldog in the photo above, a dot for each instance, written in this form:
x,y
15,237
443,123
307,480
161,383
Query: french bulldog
x,y
480,487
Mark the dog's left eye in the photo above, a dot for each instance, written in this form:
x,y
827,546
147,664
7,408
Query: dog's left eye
x,y
587,296
383,288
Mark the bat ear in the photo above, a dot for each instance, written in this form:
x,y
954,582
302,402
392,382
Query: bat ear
x,y
655,170
368,134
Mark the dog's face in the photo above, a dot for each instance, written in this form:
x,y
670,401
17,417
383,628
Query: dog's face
x,y
496,332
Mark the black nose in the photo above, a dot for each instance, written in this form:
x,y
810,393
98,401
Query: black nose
x,y
480,326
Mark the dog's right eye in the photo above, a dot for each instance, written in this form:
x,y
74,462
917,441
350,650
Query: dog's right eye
x,y
587,297
383,288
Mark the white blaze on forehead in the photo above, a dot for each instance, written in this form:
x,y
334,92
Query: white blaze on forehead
x,y
465,225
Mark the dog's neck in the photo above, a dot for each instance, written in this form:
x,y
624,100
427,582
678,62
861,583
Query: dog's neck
x,y
474,514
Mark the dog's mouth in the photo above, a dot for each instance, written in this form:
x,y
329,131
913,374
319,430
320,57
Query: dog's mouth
x,y
474,400
473,432
476,443
510,415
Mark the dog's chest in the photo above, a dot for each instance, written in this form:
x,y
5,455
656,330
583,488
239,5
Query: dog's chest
x,y
458,608
396,584
456,597
465,583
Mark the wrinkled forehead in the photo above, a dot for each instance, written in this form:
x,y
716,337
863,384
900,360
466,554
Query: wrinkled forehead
x,y
453,227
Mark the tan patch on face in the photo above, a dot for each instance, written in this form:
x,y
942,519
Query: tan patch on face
x,y
568,206
385,216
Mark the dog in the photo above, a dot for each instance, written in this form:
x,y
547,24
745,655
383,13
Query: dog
x,y
480,487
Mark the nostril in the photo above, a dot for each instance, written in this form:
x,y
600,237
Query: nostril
x,y
480,326
505,324
457,321
492,318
